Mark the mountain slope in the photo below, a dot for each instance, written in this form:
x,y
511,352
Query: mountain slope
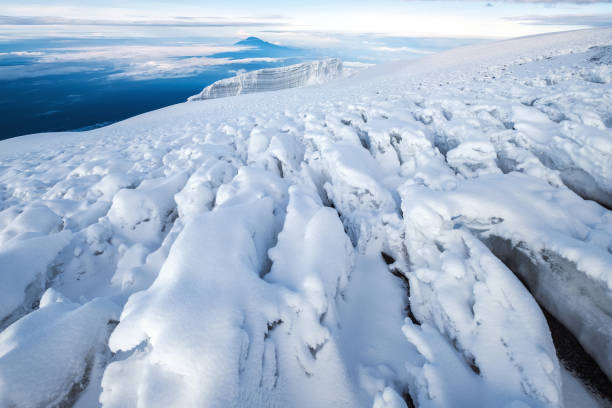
x,y
256,47
258,43
382,240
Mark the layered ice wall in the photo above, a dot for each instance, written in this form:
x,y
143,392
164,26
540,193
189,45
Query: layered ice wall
x,y
273,79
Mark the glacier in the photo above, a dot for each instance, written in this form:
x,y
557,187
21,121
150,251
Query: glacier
x,y
430,233
274,79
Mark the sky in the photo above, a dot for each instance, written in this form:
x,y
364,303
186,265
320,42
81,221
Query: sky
x,y
293,21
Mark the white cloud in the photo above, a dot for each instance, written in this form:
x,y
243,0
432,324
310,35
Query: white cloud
x,y
177,68
411,50
14,72
134,52
531,1
588,20
173,21
23,53
136,62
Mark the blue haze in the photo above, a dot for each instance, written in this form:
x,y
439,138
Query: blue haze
x,y
45,96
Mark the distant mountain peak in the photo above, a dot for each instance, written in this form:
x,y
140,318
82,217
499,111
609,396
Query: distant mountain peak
x,y
257,42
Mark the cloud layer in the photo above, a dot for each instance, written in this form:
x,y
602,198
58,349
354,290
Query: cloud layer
x,y
492,2
589,20
136,62
174,22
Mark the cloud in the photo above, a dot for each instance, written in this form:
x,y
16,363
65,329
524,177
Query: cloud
x,y
589,20
178,68
263,21
135,62
133,52
14,72
534,1
23,53
411,50
312,37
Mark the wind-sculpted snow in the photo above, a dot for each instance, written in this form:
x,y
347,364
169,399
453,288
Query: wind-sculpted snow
x,y
273,79
47,355
388,240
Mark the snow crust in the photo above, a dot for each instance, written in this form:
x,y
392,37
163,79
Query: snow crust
x,y
49,351
273,79
383,240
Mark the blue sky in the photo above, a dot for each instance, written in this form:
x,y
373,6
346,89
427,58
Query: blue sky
x,y
298,21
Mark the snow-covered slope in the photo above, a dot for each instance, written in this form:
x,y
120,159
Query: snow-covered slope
x,y
359,243
273,79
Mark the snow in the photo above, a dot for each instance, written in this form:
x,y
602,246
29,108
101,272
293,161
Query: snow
x,y
575,394
51,350
24,265
140,214
273,79
558,237
382,240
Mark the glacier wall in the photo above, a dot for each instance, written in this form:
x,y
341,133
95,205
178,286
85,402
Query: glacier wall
x,y
273,79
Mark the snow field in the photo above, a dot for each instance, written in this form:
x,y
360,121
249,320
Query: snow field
x,y
353,244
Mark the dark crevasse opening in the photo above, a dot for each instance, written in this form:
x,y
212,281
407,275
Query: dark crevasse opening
x,y
576,360
390,261
569,350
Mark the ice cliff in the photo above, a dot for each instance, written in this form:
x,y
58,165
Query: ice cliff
x,y
273,79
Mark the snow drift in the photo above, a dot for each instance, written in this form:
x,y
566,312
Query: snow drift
x,y
388,240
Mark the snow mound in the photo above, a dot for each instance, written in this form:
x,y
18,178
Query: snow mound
x,y
273,79
52,351
408,237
